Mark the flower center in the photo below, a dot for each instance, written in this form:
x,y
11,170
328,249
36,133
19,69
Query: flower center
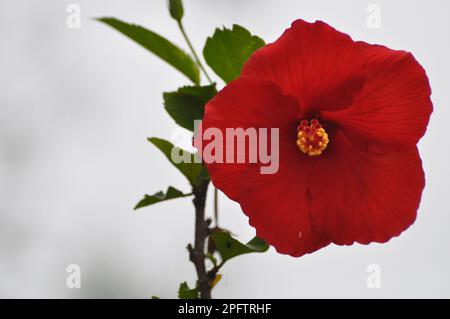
x,y
312,139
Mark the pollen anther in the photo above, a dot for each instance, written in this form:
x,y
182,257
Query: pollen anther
x,y
312,139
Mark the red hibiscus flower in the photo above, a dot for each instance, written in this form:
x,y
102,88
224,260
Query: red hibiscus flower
x,y
349,116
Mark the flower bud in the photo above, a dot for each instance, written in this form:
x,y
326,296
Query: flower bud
x,y
176,9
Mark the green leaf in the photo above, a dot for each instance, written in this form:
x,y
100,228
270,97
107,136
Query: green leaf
x,y
155,297
227,51
158,45
158,197
187,163
229,247
184,292
176,9
188,104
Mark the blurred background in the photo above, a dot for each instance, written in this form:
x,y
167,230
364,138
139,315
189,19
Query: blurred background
x,y
76,107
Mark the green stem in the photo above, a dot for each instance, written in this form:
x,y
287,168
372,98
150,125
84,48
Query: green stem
x,y
200,65
216,207
197,60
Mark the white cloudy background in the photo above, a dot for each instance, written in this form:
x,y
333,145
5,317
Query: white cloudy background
x,y
76,107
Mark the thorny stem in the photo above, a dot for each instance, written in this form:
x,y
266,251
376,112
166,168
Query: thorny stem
x,y
197,253
202,230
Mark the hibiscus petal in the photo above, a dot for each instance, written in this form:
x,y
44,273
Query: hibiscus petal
x,y
394,105
277,205
367,196
245,103
320,66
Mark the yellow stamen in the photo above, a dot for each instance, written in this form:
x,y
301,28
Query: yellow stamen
x,y
312,138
